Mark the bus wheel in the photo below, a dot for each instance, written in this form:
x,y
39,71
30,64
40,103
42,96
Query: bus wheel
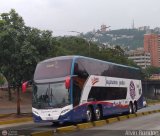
x,y
130,108
89,114
98,113
134,109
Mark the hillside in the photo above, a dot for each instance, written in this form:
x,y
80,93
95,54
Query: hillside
x,y
126,38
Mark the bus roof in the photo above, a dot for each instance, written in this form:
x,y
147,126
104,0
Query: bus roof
x,y
77,56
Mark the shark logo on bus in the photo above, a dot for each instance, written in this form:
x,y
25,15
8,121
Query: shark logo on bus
x,y
94,80
132,90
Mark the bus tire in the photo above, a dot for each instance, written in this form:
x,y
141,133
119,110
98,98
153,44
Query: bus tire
x,y
130,108
134,108
89,114
98,113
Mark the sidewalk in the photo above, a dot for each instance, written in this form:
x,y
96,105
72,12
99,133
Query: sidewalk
x,y
8,110
14,118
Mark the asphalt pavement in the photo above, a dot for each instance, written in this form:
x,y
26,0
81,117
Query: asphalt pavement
x,y
14,110
138,123
141,126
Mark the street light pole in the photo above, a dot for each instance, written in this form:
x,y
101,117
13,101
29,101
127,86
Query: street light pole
x,y
89,41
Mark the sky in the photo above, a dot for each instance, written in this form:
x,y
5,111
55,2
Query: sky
x,y
62,16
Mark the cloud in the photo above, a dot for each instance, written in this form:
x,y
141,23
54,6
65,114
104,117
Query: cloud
x,y
84,15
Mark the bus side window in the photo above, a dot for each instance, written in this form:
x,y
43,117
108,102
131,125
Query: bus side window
x,y
80,71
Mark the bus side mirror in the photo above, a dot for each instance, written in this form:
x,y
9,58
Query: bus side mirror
x,y
24,86
67,82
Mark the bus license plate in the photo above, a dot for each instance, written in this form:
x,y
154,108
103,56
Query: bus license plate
x,y
49,118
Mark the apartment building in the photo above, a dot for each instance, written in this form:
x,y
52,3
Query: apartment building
x,y
152,45
140,57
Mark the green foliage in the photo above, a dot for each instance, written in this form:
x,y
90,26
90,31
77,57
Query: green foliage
x,y
22,47
79,46
2,80
150,71
131,38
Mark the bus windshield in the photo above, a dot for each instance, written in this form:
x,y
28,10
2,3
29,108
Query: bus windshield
x,y
53,69
50,95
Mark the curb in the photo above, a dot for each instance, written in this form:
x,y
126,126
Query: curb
x,y
121,118
66,129
132,116
43,133
99,123
85,125
5,115
111,120
138,114
20,120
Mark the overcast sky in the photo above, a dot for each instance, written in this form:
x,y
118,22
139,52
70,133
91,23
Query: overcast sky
x,y
62,16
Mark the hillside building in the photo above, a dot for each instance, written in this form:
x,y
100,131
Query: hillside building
x,y
140,57
152,45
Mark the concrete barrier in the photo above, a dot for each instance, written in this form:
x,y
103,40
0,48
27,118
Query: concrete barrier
x,y
112,120
92,124
43,133
85,125
100,123
66,129
120,118
19,120
5,115
154,111
131,116
138,114
145,113
150,112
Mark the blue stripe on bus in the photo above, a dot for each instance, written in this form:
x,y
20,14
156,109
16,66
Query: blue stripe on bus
x,y
72,73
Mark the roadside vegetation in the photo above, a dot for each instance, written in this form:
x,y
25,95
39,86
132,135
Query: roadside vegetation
x,y
151,101
22,47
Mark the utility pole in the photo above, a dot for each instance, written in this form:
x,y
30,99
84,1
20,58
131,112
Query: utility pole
x,y
90,39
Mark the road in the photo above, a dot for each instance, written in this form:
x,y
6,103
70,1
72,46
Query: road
x,y
14,110
28,109
150,108
141,126
145,122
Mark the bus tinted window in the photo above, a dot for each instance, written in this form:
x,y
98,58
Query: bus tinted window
x,y
93,67
53,69
107,93
102,68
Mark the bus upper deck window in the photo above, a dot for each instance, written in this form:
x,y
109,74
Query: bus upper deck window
x,y
76,69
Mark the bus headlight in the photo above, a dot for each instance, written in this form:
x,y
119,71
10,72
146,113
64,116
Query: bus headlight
x,y
36,113
64,111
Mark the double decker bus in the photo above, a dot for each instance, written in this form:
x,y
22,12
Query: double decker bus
x,y
77,88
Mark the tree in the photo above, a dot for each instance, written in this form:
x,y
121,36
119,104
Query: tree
x,y
21,48
150,71
2,80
